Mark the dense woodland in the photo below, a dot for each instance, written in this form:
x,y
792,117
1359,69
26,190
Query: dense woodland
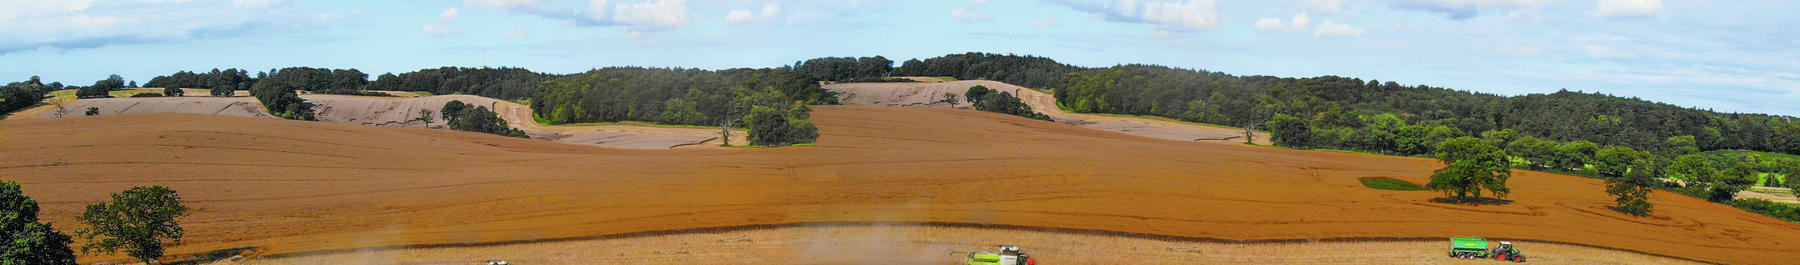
x,y
501,83
769,101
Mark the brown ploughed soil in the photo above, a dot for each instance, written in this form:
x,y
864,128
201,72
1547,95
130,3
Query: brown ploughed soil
x,y
287,187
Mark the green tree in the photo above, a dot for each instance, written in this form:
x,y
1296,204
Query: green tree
x,y
1731,181
1614,161
770,126
1471,165
951,99
976,94
425,116
23,239
93,111
137,220
1575,155
480,119
222,91
1632,191
172,92
1290,131
453,110
1681,145
1693,168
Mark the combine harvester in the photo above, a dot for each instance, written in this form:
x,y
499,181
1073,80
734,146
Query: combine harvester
x,y
1477,248
1008,255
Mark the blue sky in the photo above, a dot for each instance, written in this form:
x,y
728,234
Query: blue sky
x,y
1733,56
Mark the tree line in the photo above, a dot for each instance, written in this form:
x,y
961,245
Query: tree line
x,y
768,101
501,83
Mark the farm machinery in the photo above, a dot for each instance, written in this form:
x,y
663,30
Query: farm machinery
x,y
1477,248
1008,255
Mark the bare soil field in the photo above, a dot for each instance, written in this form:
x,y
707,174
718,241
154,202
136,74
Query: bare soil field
x,y
930,94
287,187
400,112
926,244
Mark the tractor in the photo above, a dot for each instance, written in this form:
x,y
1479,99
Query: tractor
x,y
1008,255
1477,248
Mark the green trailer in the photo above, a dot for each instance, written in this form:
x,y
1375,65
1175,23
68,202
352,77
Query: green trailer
x,y
1477,248
1468,247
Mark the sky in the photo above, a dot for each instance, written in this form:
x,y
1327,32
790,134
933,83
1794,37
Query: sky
x,y
1729,56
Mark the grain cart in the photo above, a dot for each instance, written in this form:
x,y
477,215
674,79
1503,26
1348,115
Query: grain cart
x,y
1477,248
1008,255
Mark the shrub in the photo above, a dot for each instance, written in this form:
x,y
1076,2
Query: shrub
x,y
771,126
173,92
147,95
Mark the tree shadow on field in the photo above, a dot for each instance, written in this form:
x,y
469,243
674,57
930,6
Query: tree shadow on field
x,y
1473,201
212,256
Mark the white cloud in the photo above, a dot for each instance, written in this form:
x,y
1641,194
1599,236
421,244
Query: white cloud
x,y
251,3
436,30
502,4
1048,22
1463,9
1598,51
450,14
596,9
968,13
1325,6
520,33
1627,8
1268,24
442,27
653,14
1189,15
1334,30
1301,22
769,12
75,24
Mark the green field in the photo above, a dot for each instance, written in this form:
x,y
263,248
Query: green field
x,y
1386,183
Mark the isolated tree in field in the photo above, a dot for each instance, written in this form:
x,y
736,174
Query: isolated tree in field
x,y
950,98
1471,165
425,116
976,94
137,220
25,240
172,92
452,110
1632,191
92,111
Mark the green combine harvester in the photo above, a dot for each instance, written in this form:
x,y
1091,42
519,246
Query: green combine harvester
x,y
1477,248
1008,255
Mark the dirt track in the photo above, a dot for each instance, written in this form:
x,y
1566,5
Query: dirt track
x,y
292,187
929,94
401,112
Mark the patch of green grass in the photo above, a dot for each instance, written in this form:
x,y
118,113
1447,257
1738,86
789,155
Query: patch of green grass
x,y
1762,178
946,78
1386,183
424,93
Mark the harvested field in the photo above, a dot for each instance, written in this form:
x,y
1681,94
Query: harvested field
x,y
402,112
925,244
290,187
931,95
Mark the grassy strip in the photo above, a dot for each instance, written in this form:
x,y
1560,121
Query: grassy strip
x,y
946,78
1386,183
424,93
